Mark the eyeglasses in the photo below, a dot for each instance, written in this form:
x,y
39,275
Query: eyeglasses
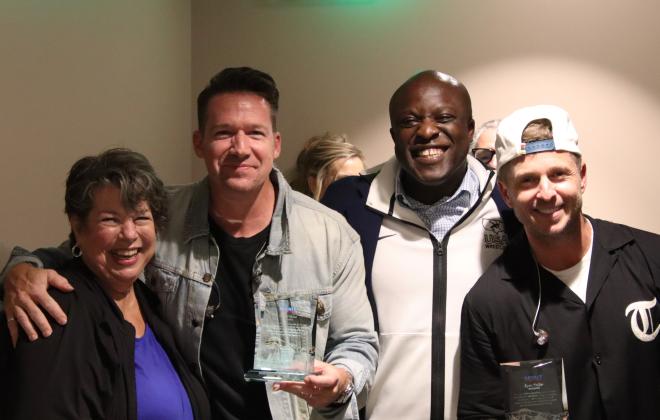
x,y
484,155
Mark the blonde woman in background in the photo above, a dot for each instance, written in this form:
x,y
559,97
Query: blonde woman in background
x,y
325,159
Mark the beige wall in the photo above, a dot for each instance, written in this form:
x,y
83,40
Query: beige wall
x,y
337,65
78,77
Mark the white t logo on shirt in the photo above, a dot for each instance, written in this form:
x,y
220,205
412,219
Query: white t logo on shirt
x,y
641,312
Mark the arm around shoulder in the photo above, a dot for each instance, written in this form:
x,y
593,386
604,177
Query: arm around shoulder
x,y
26,293
18,255
41,258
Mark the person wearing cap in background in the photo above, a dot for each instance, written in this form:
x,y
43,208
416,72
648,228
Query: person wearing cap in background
x,y
483,144
567,287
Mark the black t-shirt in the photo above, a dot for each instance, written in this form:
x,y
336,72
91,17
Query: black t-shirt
x,y
228,340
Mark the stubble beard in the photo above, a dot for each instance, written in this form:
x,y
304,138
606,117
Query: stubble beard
x,y
570,231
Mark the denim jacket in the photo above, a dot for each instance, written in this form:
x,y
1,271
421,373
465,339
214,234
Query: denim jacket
x,y
311,252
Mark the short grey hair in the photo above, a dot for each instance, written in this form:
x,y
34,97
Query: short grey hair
x,y
483,127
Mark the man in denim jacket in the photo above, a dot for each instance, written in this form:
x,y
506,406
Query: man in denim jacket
x,y
232,238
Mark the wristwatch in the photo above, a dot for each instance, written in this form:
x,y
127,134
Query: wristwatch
x,y
345,396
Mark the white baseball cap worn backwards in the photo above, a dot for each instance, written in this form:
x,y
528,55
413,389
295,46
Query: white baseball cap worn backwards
x,y
509,144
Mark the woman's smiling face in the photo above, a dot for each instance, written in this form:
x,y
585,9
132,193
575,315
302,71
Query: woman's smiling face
x,y
116,243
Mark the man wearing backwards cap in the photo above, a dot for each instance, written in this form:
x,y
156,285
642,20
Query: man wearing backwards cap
x,y
568,286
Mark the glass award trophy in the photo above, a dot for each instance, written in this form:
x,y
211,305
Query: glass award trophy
x,y
535,389
284,344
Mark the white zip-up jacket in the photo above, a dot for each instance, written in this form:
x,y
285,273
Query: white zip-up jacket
x,y
416,286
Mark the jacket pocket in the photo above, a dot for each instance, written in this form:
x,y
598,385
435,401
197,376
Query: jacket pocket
x,y
323,307
161,282
323,316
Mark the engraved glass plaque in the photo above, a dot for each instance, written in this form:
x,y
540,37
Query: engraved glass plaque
x,y
535,389
284,345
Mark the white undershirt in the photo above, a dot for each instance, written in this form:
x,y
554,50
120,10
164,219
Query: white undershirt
x,y
576,277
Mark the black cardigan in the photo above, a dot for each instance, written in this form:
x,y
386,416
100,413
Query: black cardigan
x,y
86,369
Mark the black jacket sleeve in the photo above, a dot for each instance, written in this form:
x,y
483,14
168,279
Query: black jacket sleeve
x,y
55,258
62,376
481,394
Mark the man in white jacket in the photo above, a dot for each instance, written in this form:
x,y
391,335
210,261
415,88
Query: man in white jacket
x,y
429,227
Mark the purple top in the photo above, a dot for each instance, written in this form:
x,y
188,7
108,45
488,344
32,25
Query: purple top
x,y
160,393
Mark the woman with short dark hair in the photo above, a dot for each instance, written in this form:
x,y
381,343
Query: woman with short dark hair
x,y
115,359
